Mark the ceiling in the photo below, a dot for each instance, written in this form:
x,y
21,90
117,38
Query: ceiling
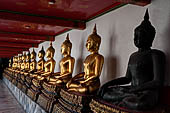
x,y
26,23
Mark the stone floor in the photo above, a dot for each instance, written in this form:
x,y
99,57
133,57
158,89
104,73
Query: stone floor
x,y
8,103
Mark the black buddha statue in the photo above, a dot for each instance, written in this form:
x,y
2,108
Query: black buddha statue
x,y
145,73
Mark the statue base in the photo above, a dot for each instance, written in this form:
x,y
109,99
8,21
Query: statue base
x,y
101,106
48,96
23,81
28,81
33,94
73,102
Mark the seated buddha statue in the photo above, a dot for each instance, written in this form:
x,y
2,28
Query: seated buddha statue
x,y
27,65
10,63
32,67
66,65
18,64
40,63
14,64
88,81
145,72
49,64
23,64
9,68
33,62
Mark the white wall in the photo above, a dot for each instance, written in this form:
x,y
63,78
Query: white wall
x,y
116,29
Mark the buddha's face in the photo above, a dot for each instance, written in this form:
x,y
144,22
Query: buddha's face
x,y
48,54
28,57
15,59
23,58
32,56
40,55
65,49
141,40
90,44
20,58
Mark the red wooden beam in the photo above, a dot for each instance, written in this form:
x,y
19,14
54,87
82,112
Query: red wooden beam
x,y
18,45
26,36
13,49
19,40
36,19
9,52
136,2
6,56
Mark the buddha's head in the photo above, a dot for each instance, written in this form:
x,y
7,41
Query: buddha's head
x,y
93,41
144,33
23,57
41,53
15,59
33,54
66,46
28,56
50,51
20,58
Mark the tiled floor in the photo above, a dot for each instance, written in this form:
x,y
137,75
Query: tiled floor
x,y
8,103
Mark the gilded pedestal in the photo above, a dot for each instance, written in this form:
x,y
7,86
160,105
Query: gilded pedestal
x,y
48,96
35,89
101,106
72,102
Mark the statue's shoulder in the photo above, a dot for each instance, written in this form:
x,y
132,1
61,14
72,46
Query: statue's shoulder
x,y
100,56
133,54
157,52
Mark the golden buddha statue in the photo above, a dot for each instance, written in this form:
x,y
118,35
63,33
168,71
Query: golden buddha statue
x,y
32,68
40,64
66,65
33,62
23,64
27,66
9,68
18,64
49,64
88,81
10,63
14,64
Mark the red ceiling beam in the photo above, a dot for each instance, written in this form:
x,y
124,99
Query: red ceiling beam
x,y
6,56
20,36
136,2
36,19
9,52
16,40
17,45
13,49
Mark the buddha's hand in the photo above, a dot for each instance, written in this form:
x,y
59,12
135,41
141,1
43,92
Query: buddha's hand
x,y
133,90
48,78
68,83
102,90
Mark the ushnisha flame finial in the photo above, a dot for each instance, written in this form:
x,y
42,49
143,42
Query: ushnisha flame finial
x,y
51,43
95,29
146,17
67,36
42,48
67,41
